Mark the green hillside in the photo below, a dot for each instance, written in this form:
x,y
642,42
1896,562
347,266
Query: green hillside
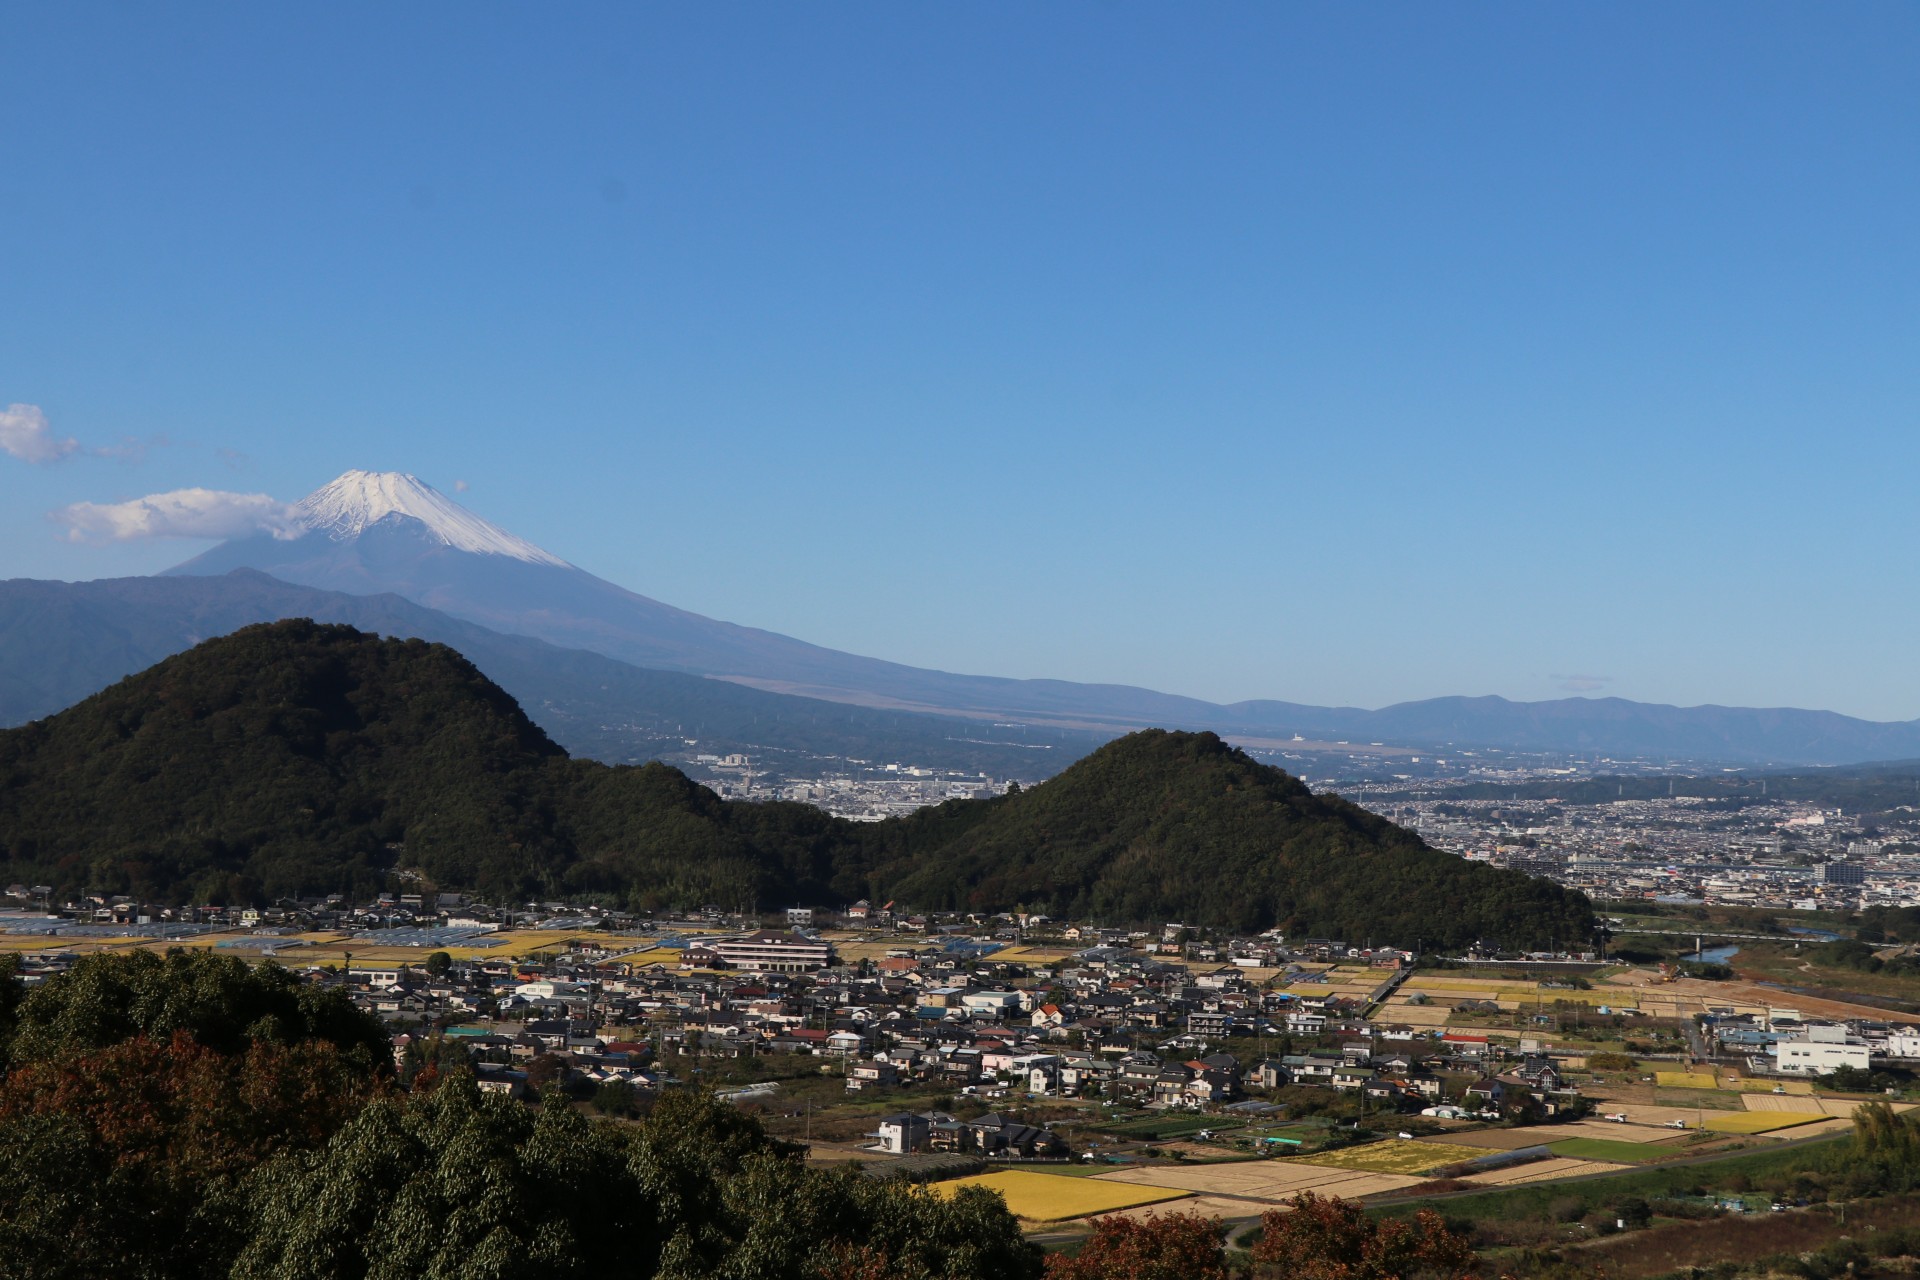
x,y
1180,825
294,758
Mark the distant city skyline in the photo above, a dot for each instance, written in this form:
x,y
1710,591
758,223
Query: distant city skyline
x,y
1344,358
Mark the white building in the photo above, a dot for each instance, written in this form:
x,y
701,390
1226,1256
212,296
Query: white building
x,y
1825,1048
772,952
989,1004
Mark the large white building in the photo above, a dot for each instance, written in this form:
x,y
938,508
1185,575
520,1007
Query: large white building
x,y
1823,1049
771,951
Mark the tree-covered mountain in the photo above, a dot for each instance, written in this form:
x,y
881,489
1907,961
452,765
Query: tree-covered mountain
x,y
1182,826
62,641
298,758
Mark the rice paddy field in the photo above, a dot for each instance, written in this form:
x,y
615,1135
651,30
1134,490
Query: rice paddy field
x,y
1612,1151
1542,1171
1609,1131
1698,1099
1204,1206
1758,1121
1152,1127
1044,1197
1395,1156
1273,1181
1686,1080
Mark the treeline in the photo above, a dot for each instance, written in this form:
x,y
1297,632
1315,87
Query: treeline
x,y
191,1117
295,759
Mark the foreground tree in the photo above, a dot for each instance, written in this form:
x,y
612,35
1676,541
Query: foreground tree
x,y
1332,1239
1175,1246
463,1186
221,1002
130,1160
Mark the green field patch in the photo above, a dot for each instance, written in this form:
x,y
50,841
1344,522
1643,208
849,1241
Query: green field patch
x,y
1541,1201
1609,1150
1154,1127
1711,1099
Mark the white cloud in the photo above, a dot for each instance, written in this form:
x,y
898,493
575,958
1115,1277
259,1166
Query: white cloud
x,y
1583,684
460,486
26,434
184,513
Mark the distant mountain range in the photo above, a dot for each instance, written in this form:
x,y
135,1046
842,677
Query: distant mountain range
x,y
370,533
62,641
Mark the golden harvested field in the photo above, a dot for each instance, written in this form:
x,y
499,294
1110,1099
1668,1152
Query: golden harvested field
x,y
1756,1121
1395,1156
1029,955
1541,1135
1781,1102
669,956
1639,1113
1046,1197
1777,1103
1270,1180
1205,1206
1542,1171
1685,1079
1819,1127
1608,1130
1747,1084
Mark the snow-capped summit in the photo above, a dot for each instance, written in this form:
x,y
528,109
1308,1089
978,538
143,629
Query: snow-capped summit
x,y
347,507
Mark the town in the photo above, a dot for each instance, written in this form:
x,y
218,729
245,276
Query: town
x,y
1006,1048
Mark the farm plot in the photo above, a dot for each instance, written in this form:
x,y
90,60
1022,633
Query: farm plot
x,y
1042,1197
1486,1140
1758,1121
1609,1131
1710,1099
1777,1102
1269,1180
1542,1171
1844,1107
1609,1149
1395,1156
1205,1206
1685,1080
1747,1084
1153,1127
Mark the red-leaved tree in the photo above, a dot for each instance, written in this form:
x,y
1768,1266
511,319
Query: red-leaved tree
x,y
1333,1239
1173,1246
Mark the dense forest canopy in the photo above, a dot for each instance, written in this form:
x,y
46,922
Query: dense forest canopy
x,y
189,1117
294,759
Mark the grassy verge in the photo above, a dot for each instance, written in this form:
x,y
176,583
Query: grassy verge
x,y
1533,1200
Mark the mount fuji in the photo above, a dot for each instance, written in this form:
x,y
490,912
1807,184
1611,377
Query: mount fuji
x,y
370,532
373,532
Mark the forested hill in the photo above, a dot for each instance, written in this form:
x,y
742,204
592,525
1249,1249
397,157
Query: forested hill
x,y
296,758
1182,826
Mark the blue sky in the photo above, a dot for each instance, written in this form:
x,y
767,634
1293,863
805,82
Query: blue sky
x,y
1336,354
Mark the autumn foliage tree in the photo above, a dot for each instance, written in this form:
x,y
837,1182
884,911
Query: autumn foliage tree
x,y
1174,1246
1332,1239
129,1160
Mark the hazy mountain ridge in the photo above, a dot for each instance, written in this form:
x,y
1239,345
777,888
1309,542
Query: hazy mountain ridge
x,y
61,642
378,532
